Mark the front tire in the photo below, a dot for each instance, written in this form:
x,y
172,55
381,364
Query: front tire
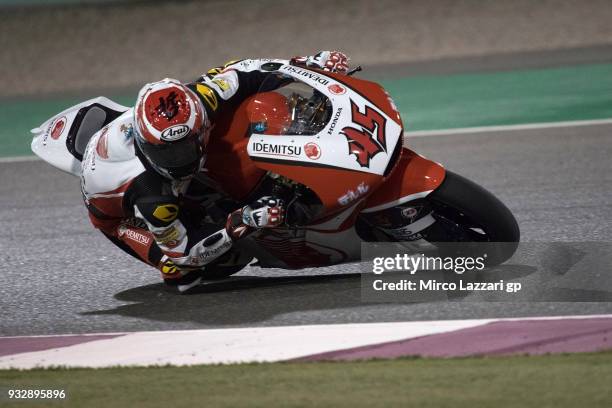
x,y
466,212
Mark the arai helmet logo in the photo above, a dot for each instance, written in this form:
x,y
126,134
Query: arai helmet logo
x,y
175,133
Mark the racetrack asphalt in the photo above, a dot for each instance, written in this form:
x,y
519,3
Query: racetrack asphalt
x,y
61,276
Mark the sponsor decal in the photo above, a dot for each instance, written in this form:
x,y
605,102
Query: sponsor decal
x,y
208,95
102,146
403,233
334,121
211,253
277,150
134,235
213,71
368,139
127,130
89,158
58,127
312,150
47,131
245,65
135,222
168,107
175,133
260,127
166,212
169,237
353,195
169,268
409,212
222,83
246,218
307,74
337,89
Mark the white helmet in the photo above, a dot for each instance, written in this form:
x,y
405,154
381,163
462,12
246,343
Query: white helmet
x,y
171,128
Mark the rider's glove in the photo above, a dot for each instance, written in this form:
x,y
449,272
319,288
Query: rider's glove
x,y
267,212
235,227
333,61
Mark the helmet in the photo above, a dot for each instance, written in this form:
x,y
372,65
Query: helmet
x,y
171,128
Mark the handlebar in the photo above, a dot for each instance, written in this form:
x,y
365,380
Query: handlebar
x,y
354,70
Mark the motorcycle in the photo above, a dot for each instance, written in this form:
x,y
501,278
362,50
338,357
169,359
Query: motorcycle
x,y
330,145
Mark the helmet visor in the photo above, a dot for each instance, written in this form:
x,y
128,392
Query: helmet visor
x,y
179,159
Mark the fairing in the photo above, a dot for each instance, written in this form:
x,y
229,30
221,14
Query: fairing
x,y
343,150
53,141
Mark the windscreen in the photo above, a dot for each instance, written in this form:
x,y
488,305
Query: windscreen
x,y
289,108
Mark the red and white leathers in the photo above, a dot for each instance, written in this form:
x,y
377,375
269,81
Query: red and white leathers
x,y
141,211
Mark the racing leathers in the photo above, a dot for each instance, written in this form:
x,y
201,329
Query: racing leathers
x,y
145,214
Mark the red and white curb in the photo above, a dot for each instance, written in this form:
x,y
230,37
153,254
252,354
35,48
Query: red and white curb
x,y
318,342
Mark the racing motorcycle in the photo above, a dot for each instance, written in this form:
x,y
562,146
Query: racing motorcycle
x,y
332,147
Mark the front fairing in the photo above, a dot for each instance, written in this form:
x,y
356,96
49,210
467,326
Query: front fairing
x,y
337,135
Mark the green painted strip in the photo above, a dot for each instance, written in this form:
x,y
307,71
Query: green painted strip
x,y
427,102
54,2
504,98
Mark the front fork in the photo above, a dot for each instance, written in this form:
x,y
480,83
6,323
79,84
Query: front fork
x,y
403,222
398,210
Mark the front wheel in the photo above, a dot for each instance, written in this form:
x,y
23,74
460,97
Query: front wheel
x,y
460,218
466,212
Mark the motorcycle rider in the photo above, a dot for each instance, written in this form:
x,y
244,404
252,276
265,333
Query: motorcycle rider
x,y
138,169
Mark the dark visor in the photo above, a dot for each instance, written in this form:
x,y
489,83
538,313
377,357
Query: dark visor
x,y
179,158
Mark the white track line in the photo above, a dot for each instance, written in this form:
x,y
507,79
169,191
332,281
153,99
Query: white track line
x,y
246,329
19,159
427,133
507,128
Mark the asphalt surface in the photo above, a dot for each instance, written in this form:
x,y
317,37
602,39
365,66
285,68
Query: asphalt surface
x,y
61,276
67,49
